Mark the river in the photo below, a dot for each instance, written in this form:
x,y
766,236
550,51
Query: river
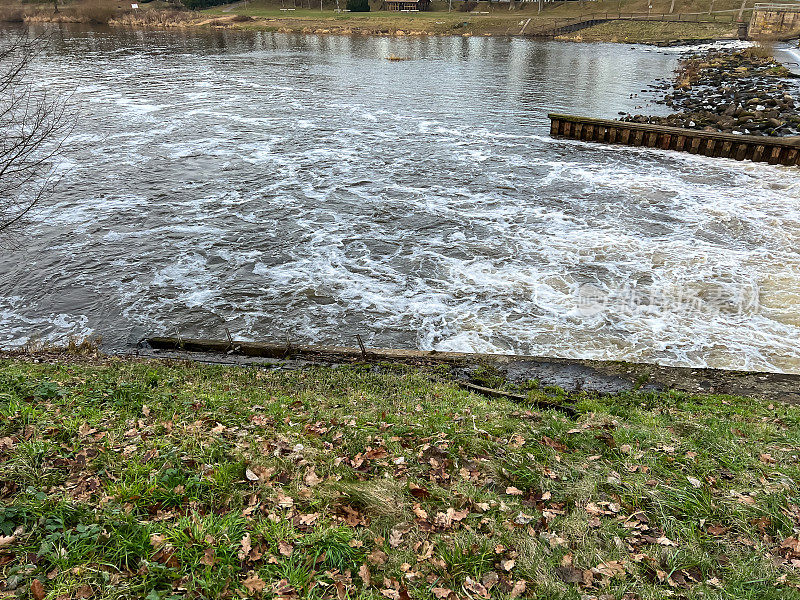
x,y
305,187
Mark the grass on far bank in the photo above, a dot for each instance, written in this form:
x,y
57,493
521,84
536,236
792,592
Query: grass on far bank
x,y
485,19
649,32
123,479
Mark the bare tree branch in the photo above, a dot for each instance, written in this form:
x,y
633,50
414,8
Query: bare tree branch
x,y
33,128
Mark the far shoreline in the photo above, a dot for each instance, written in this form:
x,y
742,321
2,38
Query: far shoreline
x,y
662,30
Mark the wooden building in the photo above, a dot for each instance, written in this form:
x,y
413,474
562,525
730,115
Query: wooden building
x,y
408,5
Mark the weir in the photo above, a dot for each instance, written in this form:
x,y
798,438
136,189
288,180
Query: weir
x,y
772,150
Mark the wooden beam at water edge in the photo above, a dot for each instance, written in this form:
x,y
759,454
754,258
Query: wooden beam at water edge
x,y
772,150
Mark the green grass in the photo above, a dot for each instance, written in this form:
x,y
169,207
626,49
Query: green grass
x,y
137,479
644,32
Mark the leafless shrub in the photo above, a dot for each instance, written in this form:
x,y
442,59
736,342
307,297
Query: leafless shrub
x,y
153,18
763,49
33,126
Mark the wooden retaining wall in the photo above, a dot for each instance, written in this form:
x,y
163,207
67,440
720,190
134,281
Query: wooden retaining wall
x,y
772,150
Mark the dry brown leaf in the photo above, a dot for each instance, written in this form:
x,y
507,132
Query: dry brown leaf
x,y
84,591
420,493
717,530
363,572
610,568
250,475
441,592
665,541
254,584
285,501
311,478
476,588
37,590
507,565
518,589
512,491
246,546
309,519
7,540
209,558
377,557
285,548
396,536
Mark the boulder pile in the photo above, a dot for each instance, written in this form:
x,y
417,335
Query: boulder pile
x,y
745,92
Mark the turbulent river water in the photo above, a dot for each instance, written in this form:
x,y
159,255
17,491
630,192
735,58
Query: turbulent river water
x,y
306,187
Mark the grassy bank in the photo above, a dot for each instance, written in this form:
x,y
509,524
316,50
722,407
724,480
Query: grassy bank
x,y
650,33
123,479
483,18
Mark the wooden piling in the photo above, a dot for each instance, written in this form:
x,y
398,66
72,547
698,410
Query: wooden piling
x,y
773,150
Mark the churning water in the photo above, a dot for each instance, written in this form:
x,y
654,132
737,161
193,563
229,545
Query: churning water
x,y
305,186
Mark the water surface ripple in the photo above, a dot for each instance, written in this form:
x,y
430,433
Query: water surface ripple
x,y
305,186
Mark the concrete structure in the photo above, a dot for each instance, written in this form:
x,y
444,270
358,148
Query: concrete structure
x,y
775,20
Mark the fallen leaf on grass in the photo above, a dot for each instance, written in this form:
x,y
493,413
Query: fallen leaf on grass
x,y
285,548
476,588
518,589
665,541
507,565
37,590
512,491
246,546
420,493
208,559
363,572
311,479
254,584
571,574
612,568
377,557
309,519
441,592
7,540
396,535
716,530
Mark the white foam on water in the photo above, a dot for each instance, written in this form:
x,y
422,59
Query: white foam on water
x,y
23,324
283,200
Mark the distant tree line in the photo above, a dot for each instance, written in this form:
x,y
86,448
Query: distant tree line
x,y
358,5
197,4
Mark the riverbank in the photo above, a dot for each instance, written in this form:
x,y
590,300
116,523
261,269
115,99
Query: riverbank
x,y
746,92
148,478
483,19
